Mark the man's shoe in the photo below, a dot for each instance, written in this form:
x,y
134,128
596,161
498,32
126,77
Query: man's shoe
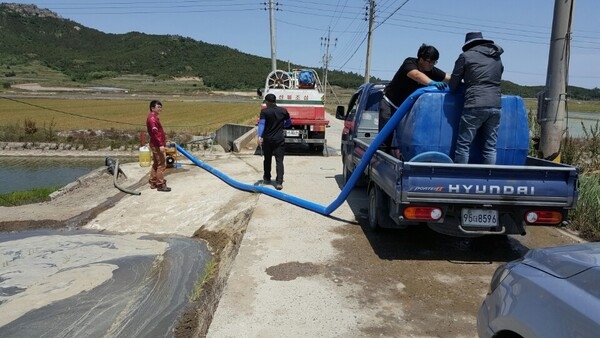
x,y
278,186
163,188
266,181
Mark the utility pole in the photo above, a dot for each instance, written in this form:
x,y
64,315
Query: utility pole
x,y
326,58
552,101
272,24
369,40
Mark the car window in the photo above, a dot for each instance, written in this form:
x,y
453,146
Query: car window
x,y
369,120
373,100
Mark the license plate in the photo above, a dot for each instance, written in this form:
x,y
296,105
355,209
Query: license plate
x,y
479,217
292,133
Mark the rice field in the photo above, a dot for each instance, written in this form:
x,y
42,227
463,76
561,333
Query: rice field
x,y
193,117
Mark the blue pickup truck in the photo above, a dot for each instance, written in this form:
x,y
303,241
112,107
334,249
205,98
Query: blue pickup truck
x,y
424,187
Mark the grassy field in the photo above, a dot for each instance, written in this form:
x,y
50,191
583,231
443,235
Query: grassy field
x,y
189,107
193,117
201,113
573,105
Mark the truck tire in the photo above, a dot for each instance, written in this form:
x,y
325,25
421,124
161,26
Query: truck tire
x,y
347,173
315,148
379,209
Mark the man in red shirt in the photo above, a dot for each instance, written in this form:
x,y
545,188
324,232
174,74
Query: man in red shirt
x,y
158,143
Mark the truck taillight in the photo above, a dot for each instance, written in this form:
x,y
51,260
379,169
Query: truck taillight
x,y
317,128
423,213
543,217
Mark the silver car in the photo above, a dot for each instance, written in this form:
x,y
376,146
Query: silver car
x,y
550,292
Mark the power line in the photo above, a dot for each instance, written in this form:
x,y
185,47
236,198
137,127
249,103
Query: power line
x,y
389,16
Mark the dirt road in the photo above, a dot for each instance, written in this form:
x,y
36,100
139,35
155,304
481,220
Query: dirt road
x,y
287,271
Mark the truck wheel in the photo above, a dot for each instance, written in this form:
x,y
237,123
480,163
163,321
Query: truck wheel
x,y
347,173
315,148
378,209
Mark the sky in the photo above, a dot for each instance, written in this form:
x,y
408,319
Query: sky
x,y
314,32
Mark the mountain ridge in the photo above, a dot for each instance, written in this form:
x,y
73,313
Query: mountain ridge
x,y
30,34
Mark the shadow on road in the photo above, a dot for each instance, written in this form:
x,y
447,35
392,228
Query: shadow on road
x,y
295,150
422,243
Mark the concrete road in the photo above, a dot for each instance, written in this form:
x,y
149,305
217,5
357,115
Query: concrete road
x,y
301,274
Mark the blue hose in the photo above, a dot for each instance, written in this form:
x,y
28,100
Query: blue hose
x,y
356,174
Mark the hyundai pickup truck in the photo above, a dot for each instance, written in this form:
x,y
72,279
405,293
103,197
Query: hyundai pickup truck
x,y
423,187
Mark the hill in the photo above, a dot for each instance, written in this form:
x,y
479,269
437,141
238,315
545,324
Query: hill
x,y
34,36
30,34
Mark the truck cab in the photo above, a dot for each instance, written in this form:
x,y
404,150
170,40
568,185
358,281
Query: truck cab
x,y
361,120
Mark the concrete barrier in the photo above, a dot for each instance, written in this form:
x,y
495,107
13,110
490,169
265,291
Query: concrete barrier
x,y
233,137
243,142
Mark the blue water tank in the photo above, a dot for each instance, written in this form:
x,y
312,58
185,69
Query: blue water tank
x,y
432,125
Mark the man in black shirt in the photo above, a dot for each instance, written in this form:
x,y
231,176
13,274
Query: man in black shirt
x,y
414,73
270,137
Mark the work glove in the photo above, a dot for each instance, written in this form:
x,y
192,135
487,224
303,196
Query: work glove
x,y
441,85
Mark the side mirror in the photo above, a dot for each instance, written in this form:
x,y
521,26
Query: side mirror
x,y
339,113
259,92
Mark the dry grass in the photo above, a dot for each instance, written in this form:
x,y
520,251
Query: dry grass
x,y
178,116
572,105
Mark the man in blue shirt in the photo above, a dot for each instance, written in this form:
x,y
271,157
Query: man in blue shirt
x,y
271,138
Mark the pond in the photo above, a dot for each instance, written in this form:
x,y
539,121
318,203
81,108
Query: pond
x,y
24,173
589,120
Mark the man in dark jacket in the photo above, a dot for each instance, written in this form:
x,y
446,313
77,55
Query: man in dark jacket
x,y
270,137
480,67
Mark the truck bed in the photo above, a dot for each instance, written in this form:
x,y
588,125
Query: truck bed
x,y
537,182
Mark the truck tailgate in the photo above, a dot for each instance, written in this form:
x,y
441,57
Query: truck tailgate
x,y
539,183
